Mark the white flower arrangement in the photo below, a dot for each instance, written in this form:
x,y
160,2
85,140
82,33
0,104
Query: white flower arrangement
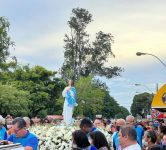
x,y
57,137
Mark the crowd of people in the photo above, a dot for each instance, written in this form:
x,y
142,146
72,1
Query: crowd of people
x,y
126,134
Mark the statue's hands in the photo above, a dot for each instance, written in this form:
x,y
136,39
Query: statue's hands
x,y
68,88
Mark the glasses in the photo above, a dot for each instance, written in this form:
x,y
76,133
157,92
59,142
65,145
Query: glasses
x,y
16,131
129,122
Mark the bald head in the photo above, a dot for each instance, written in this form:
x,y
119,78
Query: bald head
x,y
130,120
120,122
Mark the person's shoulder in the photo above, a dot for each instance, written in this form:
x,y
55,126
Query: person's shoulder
x,y
133,147
66,88
155,147
139,127
103,148
94,129
73,88
92,148
3,128
116,134
136,146
31,135
11,137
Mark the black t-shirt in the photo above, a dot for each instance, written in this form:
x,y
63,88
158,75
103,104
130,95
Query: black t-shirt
x,y
154,147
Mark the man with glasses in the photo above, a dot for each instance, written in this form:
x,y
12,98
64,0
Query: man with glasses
x,y
21,135
130,120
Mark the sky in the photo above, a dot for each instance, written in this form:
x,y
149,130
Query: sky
x,y
38,28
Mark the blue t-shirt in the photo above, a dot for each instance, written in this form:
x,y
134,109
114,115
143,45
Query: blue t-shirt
x,y
94,129
28,140
116,144
92,148
140,133
3,133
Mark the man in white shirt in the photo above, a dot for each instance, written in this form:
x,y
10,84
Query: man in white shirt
x,y
128,138
130,120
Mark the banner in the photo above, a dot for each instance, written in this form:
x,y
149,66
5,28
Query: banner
x,y
157,114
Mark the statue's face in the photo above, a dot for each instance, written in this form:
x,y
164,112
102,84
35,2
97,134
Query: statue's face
x,y
69,82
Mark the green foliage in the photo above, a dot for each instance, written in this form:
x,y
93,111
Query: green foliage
x,y
13,101
83,58
89,97
43,87
39,82
141,104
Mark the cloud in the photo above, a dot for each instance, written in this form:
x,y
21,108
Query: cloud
x,y
49,57
51,39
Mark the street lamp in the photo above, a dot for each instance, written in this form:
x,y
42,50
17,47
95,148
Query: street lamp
x,y
140,53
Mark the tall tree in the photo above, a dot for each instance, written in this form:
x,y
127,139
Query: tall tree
x,y
5,41
81,57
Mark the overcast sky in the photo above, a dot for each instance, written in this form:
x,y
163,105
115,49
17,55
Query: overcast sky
x,y
38,28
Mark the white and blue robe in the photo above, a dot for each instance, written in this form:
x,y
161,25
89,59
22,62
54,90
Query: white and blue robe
x,y
70,102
